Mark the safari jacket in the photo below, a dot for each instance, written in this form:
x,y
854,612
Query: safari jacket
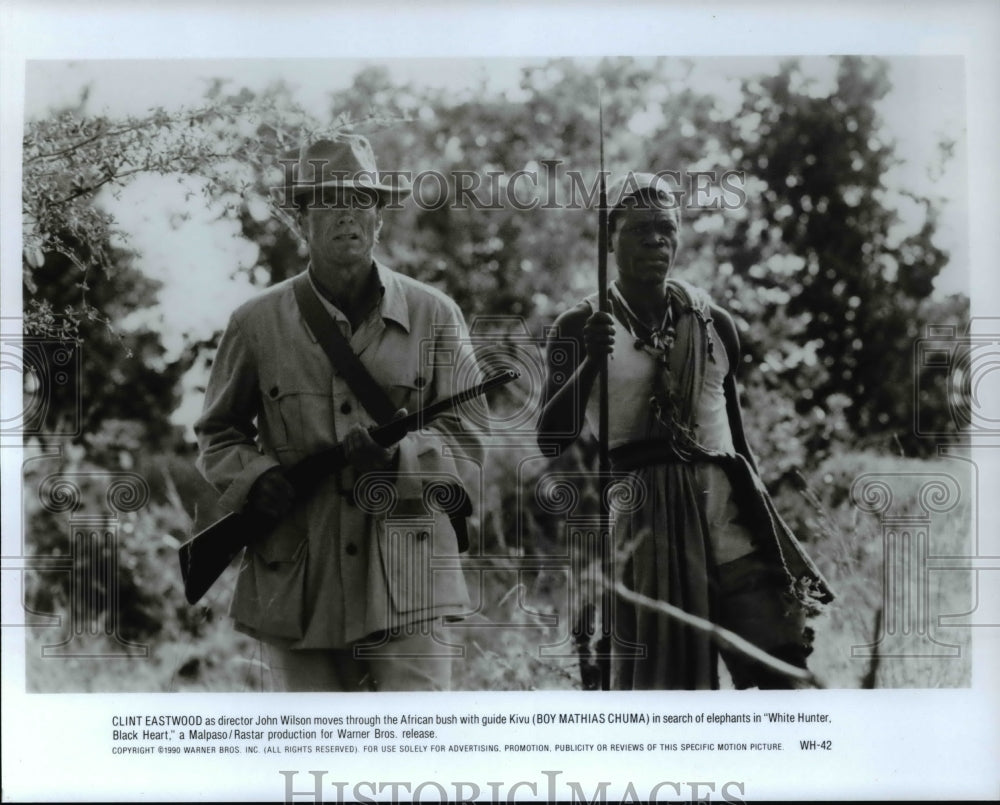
x,y
354,558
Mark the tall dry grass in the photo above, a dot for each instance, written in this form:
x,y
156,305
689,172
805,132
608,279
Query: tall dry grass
x,y
870,637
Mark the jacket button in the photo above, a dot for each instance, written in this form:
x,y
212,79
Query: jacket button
x,y
273,392
422,535
351,549
345,408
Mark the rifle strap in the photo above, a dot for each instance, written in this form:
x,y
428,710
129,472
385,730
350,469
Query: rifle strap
x,y
342,356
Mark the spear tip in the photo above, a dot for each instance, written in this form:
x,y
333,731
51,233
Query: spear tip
x,y
600,124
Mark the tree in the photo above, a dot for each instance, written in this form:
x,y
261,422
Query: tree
x,y
854,287
78,282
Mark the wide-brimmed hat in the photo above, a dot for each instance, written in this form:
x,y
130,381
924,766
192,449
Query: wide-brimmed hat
x,y
346,160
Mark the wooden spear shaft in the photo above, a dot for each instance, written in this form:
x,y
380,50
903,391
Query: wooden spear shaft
x,y
603,463
602,305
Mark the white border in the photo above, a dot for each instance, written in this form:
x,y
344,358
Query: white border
x,y
921,744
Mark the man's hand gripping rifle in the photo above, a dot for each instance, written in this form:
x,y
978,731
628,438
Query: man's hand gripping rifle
x,y
208,553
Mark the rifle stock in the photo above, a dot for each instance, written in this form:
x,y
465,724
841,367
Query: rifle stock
x,y
205,556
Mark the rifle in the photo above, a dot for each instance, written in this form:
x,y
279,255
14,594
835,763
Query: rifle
x,y
208,553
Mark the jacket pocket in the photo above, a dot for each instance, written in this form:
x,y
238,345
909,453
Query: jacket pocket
x,y
271,424
287,540
299,420
406,392
421,565
270,592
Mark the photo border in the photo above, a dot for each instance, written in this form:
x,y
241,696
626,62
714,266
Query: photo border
x,y
889,743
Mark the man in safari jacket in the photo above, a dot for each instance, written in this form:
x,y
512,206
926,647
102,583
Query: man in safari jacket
x,y
338,600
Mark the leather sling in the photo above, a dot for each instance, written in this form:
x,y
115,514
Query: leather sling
x,y
371,395
342,357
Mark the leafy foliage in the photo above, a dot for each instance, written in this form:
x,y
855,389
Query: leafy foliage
x,y
824,278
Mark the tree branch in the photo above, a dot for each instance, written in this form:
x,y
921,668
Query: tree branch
x,y
136,126
83,143
722,637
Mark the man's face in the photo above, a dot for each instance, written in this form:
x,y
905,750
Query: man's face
x,y
645,244
342,227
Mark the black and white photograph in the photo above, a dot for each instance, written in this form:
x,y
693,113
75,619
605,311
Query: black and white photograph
x,y
406,420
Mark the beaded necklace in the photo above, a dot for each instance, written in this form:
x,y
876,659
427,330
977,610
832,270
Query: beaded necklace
x,y
656,342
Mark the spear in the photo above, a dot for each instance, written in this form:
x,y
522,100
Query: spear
x,y
603,463
602,303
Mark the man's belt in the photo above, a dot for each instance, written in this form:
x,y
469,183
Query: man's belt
x,y
656,452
